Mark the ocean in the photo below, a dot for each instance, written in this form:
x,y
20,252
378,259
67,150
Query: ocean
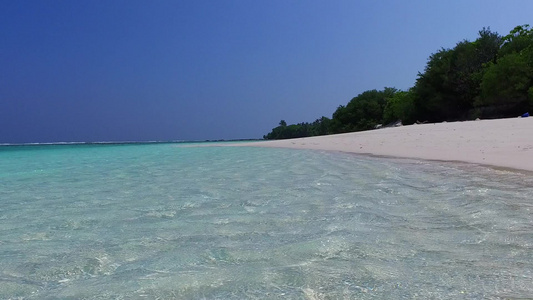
x,y
178,221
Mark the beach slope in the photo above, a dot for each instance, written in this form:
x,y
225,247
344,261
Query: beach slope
x,y
506,143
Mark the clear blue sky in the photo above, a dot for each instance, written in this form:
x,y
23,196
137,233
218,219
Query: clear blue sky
x,y
192,70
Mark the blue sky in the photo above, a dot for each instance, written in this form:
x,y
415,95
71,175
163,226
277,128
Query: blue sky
x,y
194,70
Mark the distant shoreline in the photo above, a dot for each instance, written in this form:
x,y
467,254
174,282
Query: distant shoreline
x,y
504,143
125,142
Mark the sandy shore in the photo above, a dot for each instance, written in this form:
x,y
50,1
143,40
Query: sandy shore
x,y
506,143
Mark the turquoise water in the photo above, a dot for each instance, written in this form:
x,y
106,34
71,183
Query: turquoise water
x,y
167,221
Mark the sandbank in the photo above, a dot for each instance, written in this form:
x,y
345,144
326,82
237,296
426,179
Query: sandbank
x,y
506,143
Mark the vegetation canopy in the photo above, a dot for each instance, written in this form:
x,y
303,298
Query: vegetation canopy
x,y
491,77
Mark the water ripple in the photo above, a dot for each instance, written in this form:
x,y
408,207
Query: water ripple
x,y
159,221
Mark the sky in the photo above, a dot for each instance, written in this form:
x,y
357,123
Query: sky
x,y
114,70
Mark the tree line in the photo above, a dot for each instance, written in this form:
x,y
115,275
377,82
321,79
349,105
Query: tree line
x,y
491,77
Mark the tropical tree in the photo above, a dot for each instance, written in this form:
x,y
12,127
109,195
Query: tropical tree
x,y
362,112
450,83
399,107
489,77
507,84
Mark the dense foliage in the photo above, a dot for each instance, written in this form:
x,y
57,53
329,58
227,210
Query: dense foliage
x,y
491,77
318,127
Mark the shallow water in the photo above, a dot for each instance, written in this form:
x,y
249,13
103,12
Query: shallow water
x,y
167,221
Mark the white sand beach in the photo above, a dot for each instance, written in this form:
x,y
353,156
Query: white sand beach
x,y
506,143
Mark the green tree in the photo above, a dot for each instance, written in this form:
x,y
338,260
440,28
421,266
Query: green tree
x,y
399,107
433,98
320,126
304,129
506,84
489,77
450,83
517,40
362,112
340,121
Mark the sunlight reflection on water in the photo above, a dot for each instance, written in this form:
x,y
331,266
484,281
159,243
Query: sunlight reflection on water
x,y
149,221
